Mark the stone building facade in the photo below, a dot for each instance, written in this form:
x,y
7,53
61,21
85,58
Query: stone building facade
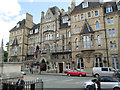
x,y
95,35
85,36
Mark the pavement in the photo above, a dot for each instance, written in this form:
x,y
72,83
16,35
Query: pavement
x,y
55,74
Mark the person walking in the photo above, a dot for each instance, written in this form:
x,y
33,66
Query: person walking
x,y
98,84
20,83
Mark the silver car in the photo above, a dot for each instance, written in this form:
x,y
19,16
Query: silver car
x,y
106,83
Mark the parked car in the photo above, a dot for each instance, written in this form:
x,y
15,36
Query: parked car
x,y
23,73
102,71
116,74
75,73
106,83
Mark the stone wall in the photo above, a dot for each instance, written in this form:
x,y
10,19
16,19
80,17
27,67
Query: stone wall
x,y
11,68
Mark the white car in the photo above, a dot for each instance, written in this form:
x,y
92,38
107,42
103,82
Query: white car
x,y
102,71
23,73
106,83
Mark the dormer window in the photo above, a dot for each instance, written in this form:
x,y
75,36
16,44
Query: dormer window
x,y
69,23
109,9
18,25
85,5
31,32
65,19
36,30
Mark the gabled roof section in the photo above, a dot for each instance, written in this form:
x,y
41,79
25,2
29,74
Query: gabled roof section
x,y
90,5
36,26
21,25
86,28
54,10
111,4
15,42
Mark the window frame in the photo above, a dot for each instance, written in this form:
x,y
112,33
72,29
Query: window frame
x,y
97,25
96,13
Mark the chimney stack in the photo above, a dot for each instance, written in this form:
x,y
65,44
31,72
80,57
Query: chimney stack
x,y
69,10
29,20
42,14
73,4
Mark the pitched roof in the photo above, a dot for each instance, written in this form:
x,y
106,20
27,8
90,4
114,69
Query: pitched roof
x,y
53,10
113,4
36,26
86,28
90,5
21,25
15,42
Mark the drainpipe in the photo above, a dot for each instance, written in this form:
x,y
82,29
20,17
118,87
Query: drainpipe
x,y
106,38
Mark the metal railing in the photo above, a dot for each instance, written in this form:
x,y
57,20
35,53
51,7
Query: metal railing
x,y
29,85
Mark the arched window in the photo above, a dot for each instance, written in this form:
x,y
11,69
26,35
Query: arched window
x,y
76,28
97,25
86,41
69,34
80,63
57,35
98,61
115,64
99,40
76,43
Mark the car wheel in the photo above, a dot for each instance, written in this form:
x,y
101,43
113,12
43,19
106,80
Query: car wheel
x,y
116,88
96,75
68,74
89,88
80,75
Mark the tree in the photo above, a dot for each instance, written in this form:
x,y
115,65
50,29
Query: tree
x,y
7,45
6,52
5,56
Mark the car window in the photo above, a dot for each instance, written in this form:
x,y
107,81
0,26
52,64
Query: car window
x,y
104,69
110,69
74,71
71,70
109,80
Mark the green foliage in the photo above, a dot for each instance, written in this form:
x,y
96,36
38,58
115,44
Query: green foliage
x,y
6,53
5,56
7,45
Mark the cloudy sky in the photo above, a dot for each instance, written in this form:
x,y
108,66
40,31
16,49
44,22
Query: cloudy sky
x,y
12,11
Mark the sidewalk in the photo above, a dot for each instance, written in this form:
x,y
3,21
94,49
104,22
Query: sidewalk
x,y
56,74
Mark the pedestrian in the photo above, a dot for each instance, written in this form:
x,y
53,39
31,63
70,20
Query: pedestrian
x,y
94,86
98,84
20,83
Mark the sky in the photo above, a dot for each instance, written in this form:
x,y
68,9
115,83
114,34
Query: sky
x,y
13,11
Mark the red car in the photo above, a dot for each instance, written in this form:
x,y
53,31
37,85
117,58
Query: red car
x,y
75,73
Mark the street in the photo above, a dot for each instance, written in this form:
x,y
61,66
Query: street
x,y
60,81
